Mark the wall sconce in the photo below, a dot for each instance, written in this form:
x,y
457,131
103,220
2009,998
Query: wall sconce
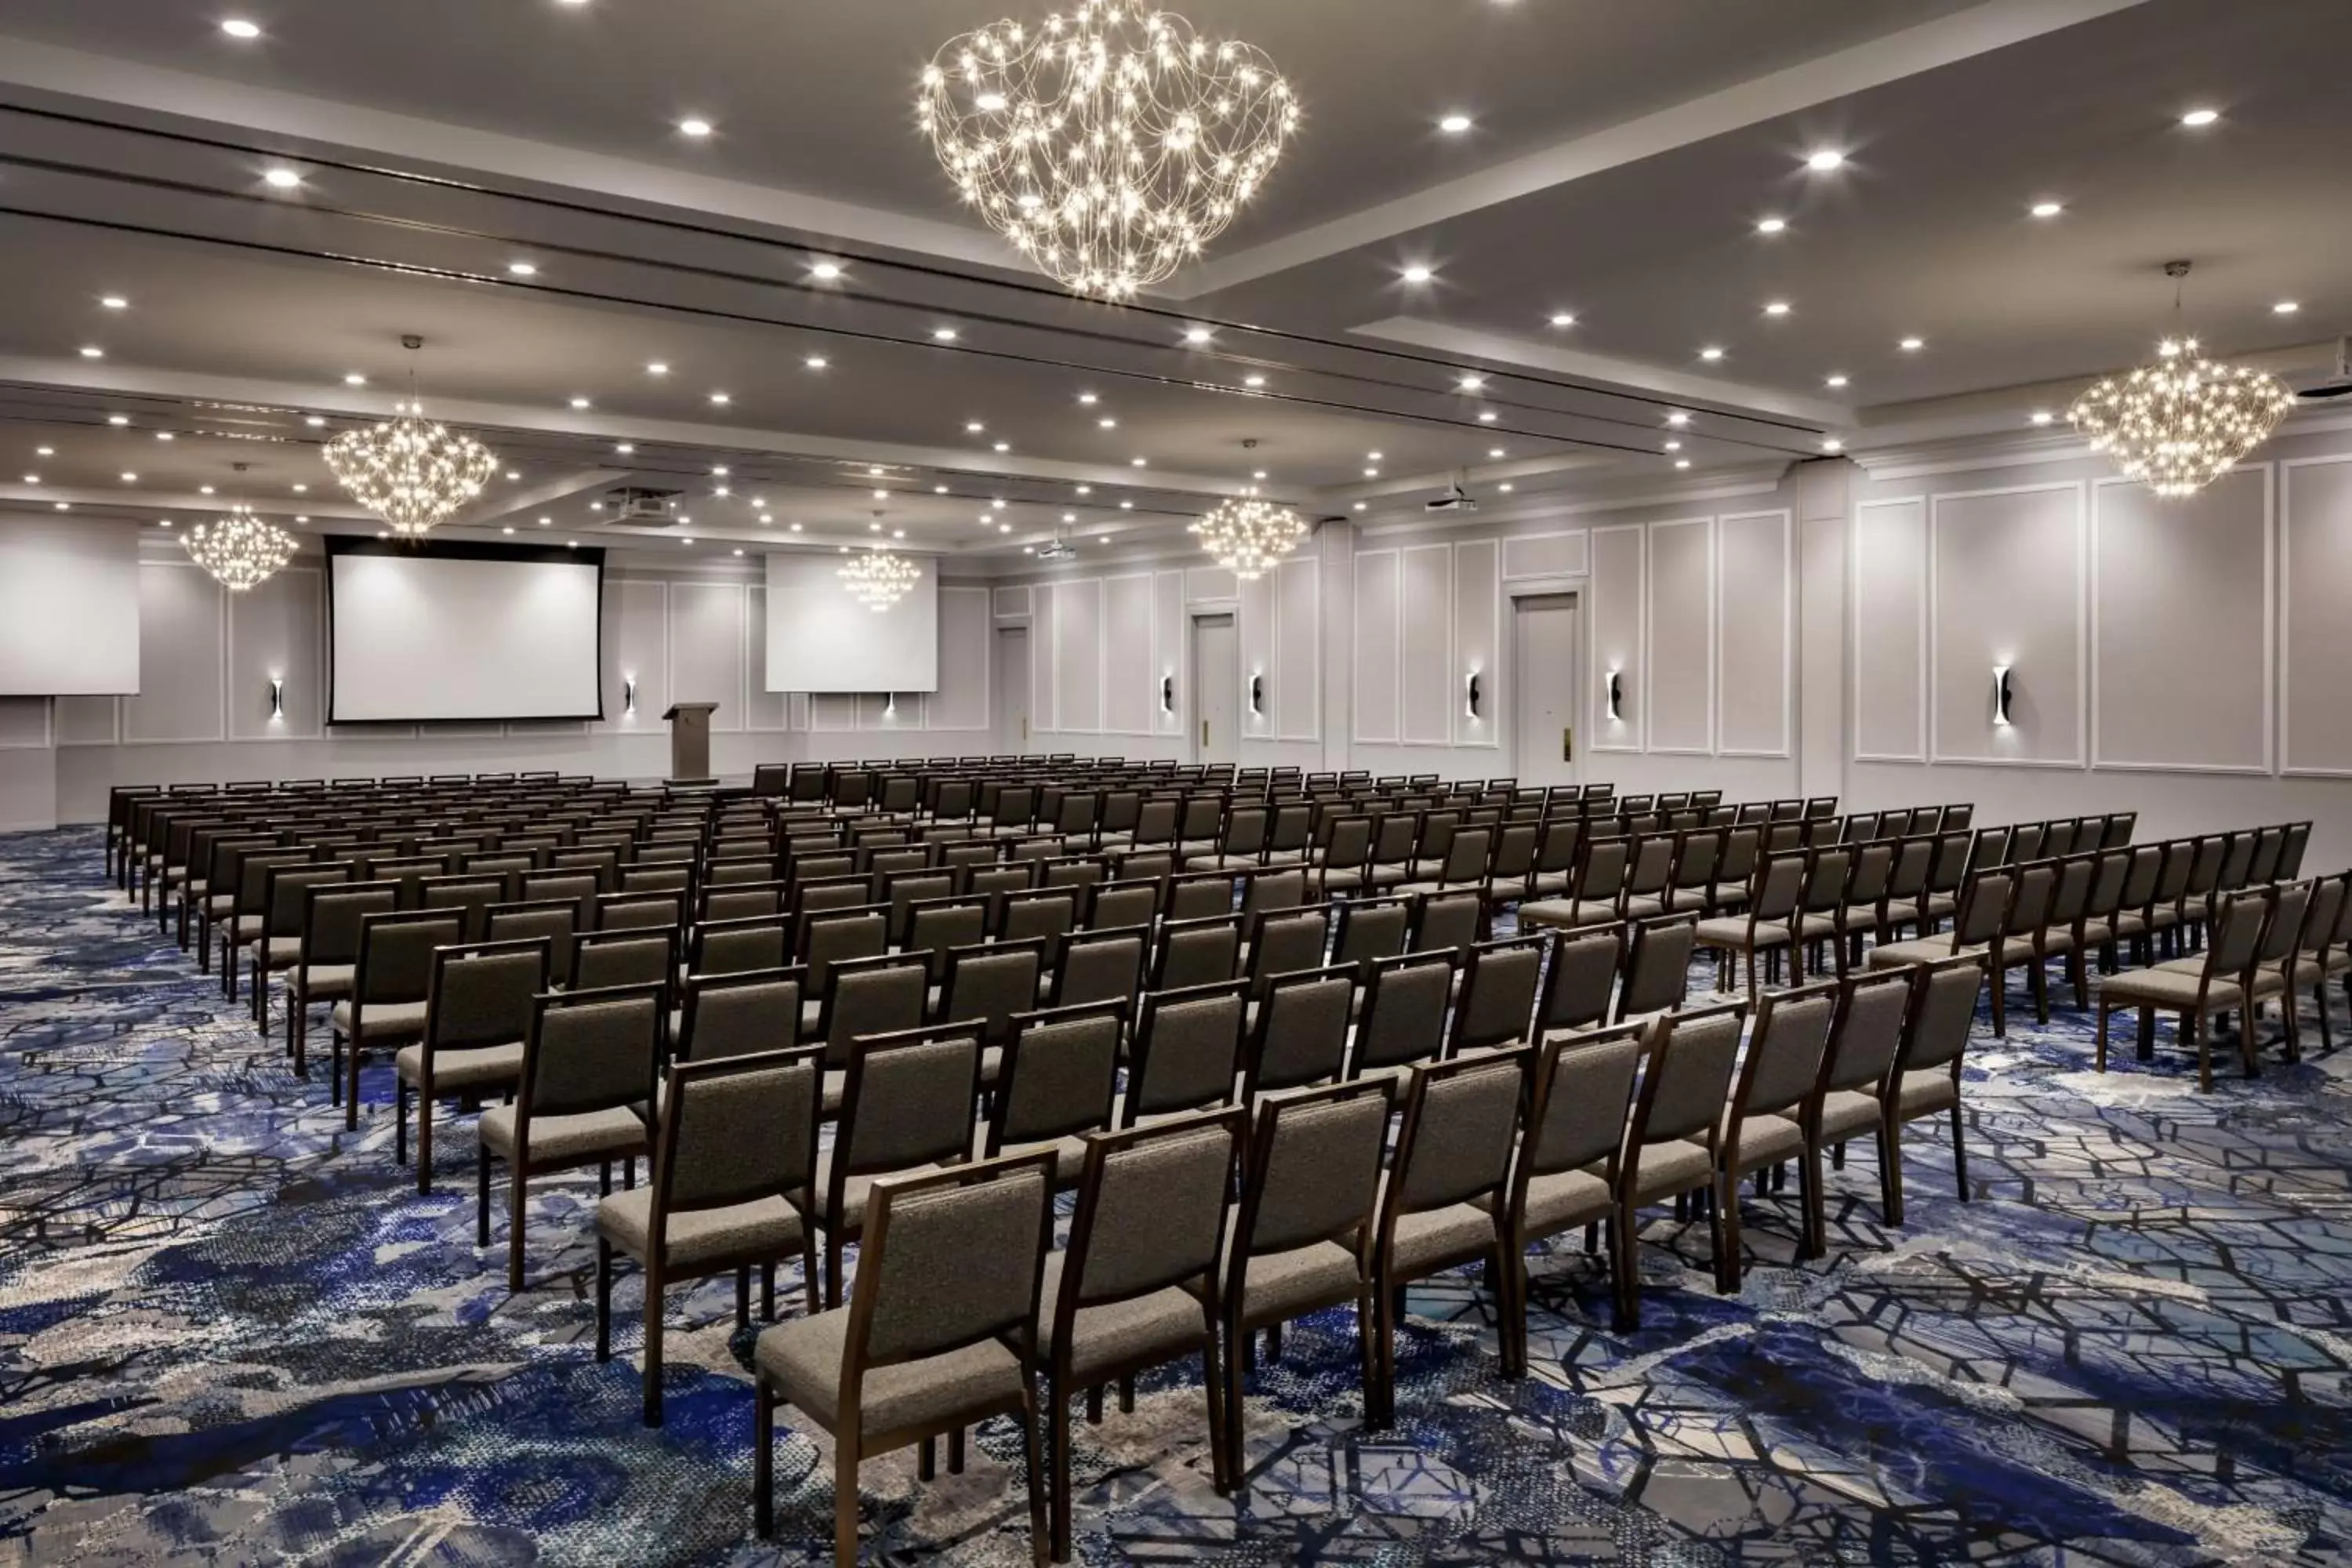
x,y
1257,695
1614,690
628,696
1168,694
277,698
1475,693
2002,696
889,705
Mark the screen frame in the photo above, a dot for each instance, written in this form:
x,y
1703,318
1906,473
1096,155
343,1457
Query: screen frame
x,y
464,550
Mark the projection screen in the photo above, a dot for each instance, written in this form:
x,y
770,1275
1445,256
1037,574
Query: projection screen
x,y
450,631
820,639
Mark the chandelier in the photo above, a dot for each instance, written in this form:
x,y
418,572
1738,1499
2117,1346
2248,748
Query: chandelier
x,y
1250,535
2181,423
880,579
410,472
239,550
1109,145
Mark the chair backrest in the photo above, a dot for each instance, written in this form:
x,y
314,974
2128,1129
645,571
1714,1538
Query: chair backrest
x,y
1284,941
1186,1051
1059,1077
2270,846
633,910
841,937
2143,872
2285,929
1653,865
1301,1034
287,890
589,1050
1581,978
1445,923
1949,868
2237,934
1689,1078
1192,953
1044,914
1498,1001
1868,1031
1460,1121
1099,966
2330,917
1114,904
1314,1171
1785,1049
986,985
2070,895
1777,886
1370,929
333,914
1200,896
484,995
739,946
604,959
1872,873
735,1128
1657,965
1283,887
395,956
1983,911
871,997
2029,906
742,1015
1601,873
1152,1211
1405,1007
1582,1094
1943,1014
950,1259
908,1100
2205,864
937,926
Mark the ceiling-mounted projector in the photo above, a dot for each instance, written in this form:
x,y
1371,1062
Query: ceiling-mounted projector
x,y
1455,499
1060,550
633,506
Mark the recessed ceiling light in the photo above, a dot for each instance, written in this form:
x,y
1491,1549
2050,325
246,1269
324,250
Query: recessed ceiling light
x,y
45,451
658,367
875,470
1369,457
579,403
1832,444
1455,124
816,362
1127,506
1678,419
1710,354
1506,489
796,528
738,552
1495,452
92,350
938,490
722,399
2200,116
1258,474
1823,162
2041,416
625,449
315,421
302,517
118,419
546,521
509,529
115,302
1487,417
1004,445
204,489
1472,384
1088,398
238,28
523,269
165,436
944,334
354,379
1673,446
696,128
1253,381
1086,489
1107,423
974,428
283,179
1772,224
1682,462
1418,274
2285,308
1911,345
1369,473
1138,463
1362,505
1069,517
1197,336
722,493
719,472
1776,307
304,490
2047,209
1835,379
32,478
65,506
825,271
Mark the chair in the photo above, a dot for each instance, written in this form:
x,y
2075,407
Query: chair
x,y
477,1013
1445,923
1185,1053
1404,1015
1582,979
1439,1205
746,1013
1498,999
1926,1079
278,943
2320,953
734,1160
1769,923
1098,966
389,986
1370,929
989,985
1191,953
942,1334
907,1105
1136,1286
1763,1126
1851,1098
1564,1172
863,997
739,946
2196,988
1671,1141
1657,966
328,966
1301,1240
1058,1082
555,919
1299,1036
1980,917
587,1065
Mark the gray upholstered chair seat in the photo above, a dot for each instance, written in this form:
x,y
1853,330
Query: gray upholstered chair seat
x,y
1345,877
2267,981
694,1236
1768,1137
837,1090
1212,861
219,904
1424,1240
1942,906
1284,858
1927,949
384,1018
1566,912
282,951
1120,1332
1728,899
1386,876
1817,928
1562,1199
1926,1089
1069,1159
1846,1111
1280,1282
1728,931
595,1134
323,982
1672,1167
803,1358
1549,885
483,1067
854,1192
1642,907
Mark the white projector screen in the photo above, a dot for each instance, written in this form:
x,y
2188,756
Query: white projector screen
x,y
821,639
452,631
69,607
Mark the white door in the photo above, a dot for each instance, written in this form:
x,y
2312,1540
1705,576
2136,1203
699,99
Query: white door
x,y
1012,689
1545,658
1216,690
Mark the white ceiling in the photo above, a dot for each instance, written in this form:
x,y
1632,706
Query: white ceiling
x,y
1619,159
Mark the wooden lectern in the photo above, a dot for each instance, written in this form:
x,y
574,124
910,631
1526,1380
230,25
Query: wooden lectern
x,y
689,741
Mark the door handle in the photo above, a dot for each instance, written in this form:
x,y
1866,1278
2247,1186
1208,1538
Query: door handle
x,y
1204,733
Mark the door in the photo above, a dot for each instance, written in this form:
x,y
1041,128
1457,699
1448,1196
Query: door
x,y
1012,689
1546,649
1216,690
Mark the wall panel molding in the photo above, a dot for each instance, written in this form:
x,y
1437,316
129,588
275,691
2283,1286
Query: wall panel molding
x,y
2314,640
1425,689
1890,630
1755,664
1997,618
1617,632
1688,614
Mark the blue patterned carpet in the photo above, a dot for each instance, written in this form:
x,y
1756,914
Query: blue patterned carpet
x,y
230,1332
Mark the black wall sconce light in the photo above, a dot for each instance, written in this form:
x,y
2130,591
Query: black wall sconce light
x,y
1257,694
1476,694
1168,694
2002,694
628,696
1615,689
277,698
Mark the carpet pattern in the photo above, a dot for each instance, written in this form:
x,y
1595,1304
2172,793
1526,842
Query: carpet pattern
x,y
231,1333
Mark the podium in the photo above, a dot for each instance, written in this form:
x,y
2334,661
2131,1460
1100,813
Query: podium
x,y
689,741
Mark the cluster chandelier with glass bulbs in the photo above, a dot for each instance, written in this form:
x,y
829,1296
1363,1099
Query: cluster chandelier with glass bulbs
x,y
1249,535
409,471
2181,423
878,579
240,550
1109,145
